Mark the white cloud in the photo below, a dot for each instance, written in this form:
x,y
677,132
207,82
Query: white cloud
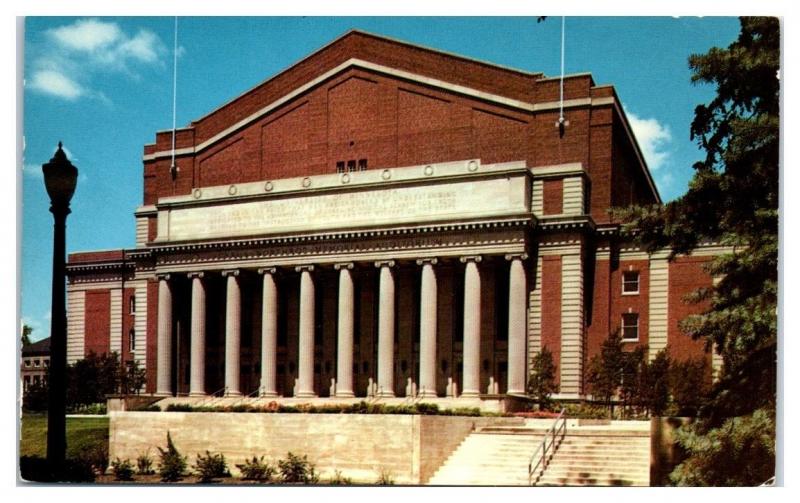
x,y
86,35
654,139
33,171
56,84
73,55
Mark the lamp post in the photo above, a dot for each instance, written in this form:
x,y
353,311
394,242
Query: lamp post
x,y
60,178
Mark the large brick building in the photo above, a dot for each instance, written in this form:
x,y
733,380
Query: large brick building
x,y
390,214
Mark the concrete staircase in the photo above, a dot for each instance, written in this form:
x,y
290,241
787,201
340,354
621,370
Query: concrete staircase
x,y
587,456
491,456
600,458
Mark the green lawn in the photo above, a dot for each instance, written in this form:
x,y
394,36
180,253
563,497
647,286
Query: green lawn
x,y
84,435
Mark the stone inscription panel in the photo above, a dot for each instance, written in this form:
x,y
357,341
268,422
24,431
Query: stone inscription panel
x,y
341,210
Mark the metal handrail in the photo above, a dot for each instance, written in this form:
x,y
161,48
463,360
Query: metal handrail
x,y
544,447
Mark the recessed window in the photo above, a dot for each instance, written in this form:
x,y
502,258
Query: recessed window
x,y
630,282
132,340
27,363
132,305
36,363
340,167
362,164
630,326
351,165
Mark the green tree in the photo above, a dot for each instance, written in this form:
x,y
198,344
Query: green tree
x,y
605,371
27,330
632,368
732,200
655,385
542,381
89,380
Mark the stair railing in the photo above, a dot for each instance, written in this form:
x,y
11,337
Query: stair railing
x,y
544,452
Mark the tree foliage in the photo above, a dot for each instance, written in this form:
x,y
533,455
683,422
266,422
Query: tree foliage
x,y
732,200
27,330
542,381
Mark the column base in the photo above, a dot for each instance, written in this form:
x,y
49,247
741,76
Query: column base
x,y
163,393
345,394
385,394
427,394
198,394
516,392
469,394
268,394
305,394
233,393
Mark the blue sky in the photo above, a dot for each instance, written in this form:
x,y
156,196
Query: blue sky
x,y
104,86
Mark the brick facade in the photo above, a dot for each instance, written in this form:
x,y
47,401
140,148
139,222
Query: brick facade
x,y
401,105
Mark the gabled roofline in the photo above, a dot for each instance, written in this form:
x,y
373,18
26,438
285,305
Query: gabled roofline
x,y
368,34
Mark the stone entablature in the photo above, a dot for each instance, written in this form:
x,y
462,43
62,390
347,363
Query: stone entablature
x,y
450,192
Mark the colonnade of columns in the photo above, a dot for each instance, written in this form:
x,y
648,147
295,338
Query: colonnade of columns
x,y
517,301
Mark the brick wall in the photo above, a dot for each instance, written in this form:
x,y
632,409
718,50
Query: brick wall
x,y
97,322
686,275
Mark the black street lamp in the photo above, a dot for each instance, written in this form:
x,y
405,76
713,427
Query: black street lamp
x,y
60,178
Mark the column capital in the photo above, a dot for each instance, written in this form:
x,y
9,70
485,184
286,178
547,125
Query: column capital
x,y
196,274
427,260
267,270
514,256
470,258
231,272
306,267
343,265
163,275
384,263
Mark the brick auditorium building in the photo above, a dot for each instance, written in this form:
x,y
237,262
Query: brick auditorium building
x,y
385,219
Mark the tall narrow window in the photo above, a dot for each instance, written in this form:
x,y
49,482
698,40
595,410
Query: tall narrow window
x,y
132,340
630,282
362,164
340,167
132,304
630,326
351,165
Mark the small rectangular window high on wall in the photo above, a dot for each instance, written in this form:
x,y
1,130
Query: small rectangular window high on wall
x,y
351,165
362,164
340,167
630,282
630,326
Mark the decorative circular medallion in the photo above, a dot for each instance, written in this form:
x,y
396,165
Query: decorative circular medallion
x,y
428,170
345,178
268,187
232,190
306,182
472,166
197,193
386,174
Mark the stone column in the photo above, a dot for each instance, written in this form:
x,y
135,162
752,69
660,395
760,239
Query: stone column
x,y
344,352
164,338
427,329
305,364
233,333
472,327
197,372
517,298
269,334
386,329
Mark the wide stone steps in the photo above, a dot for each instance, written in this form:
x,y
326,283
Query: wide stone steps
x,y
492,456
599,460
499,456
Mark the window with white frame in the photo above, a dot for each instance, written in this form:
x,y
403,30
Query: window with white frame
x,y
630,282
132,305
630,326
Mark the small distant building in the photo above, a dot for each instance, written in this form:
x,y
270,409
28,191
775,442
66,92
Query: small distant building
x,y
35,363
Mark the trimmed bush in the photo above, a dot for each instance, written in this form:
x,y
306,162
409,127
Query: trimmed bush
x,y
257,469
173,465
144,464
123,469
297,470
211,466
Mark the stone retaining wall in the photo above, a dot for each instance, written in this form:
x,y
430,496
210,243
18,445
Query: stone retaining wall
x,y
408,447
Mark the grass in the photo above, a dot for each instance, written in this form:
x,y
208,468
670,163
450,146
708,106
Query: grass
x,y
84,434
